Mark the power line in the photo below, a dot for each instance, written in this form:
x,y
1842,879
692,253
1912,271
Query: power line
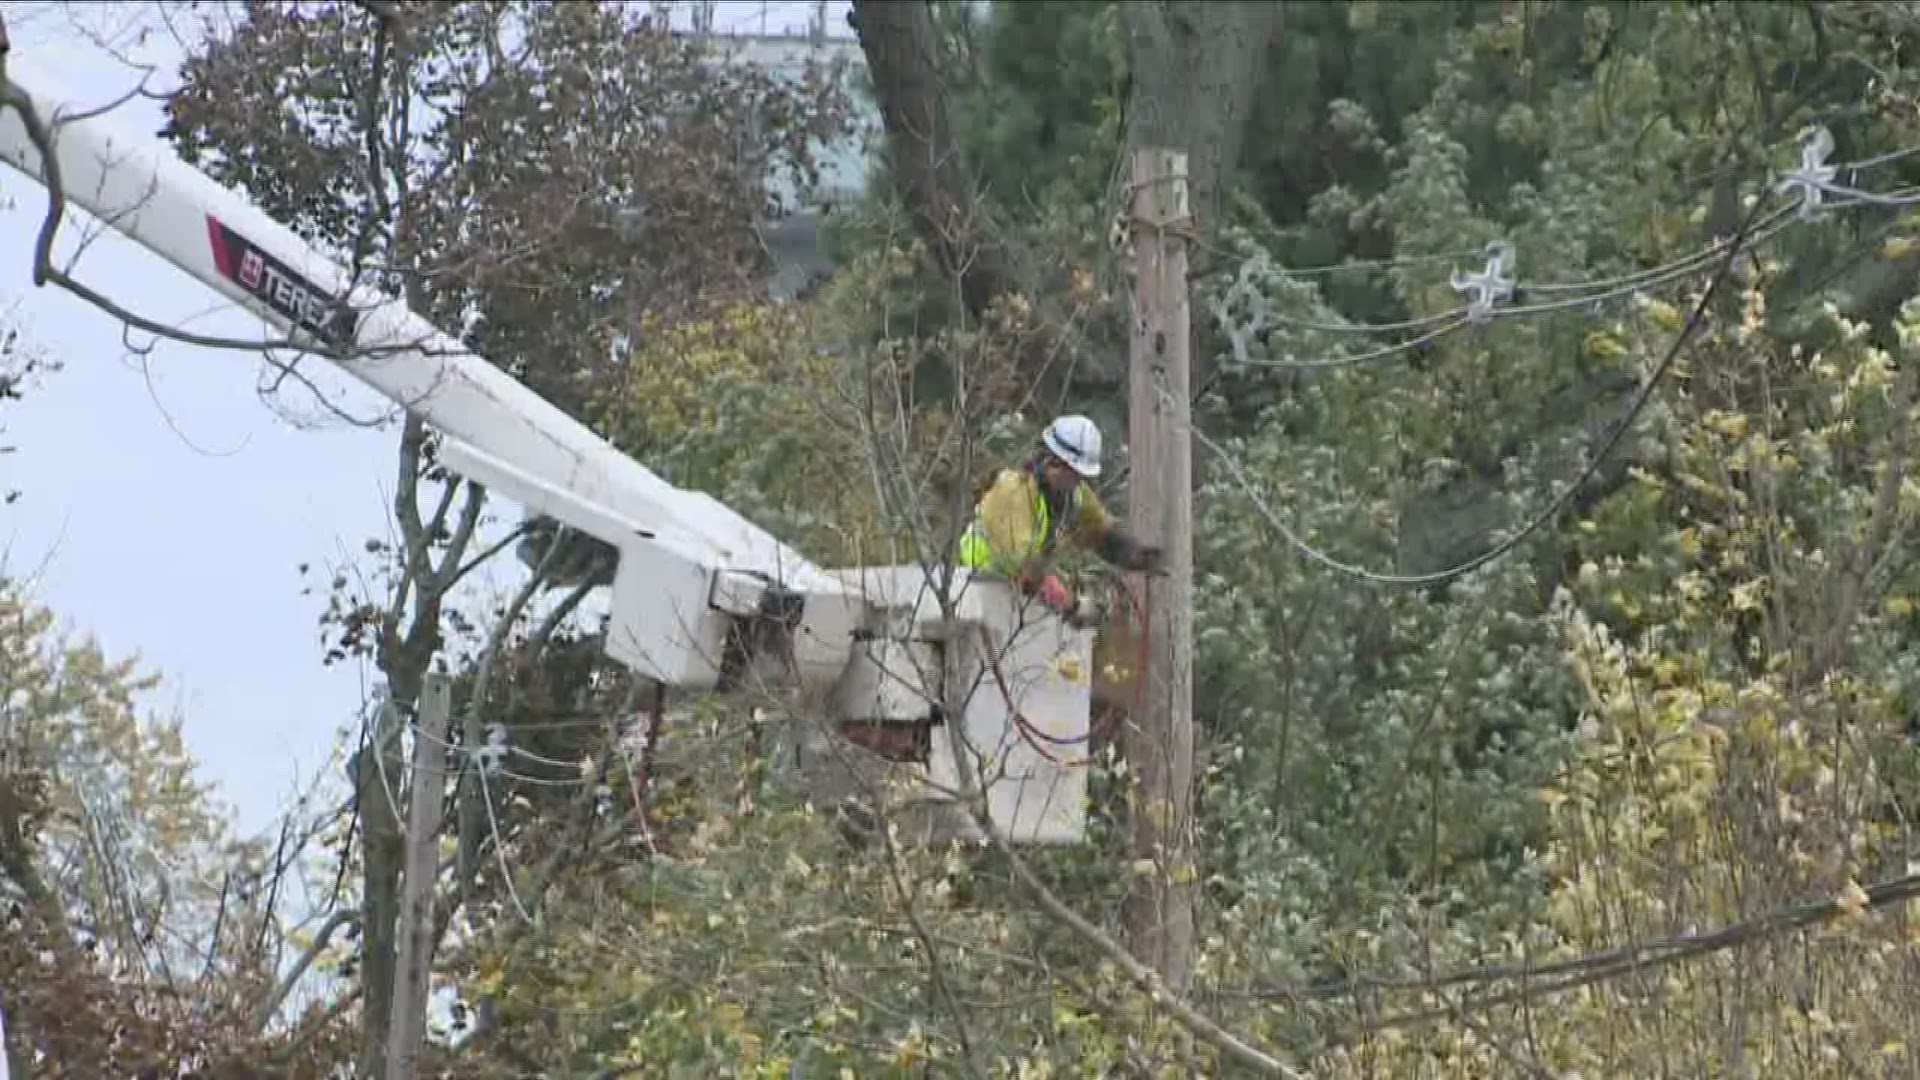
x,y
500,847
1621,287
1560,976
1812,178
1371,356
1328,269
1553,507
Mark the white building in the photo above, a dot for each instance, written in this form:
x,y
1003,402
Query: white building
x,y
795,240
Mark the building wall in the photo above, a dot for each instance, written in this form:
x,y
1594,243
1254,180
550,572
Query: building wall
x,y
795,240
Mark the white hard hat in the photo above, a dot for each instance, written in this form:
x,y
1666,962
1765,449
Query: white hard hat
x,y
1076,441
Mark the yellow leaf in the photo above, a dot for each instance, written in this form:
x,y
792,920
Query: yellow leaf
x,y
1601,345
1069,668
1732,425
1747,594
910,1049
488,984
1663,314
1853,899
1899,247
1898,605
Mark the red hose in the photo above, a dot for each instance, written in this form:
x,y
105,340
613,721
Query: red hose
x,y
1033,736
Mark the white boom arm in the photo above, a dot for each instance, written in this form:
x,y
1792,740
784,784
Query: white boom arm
x,y
689,567
699,591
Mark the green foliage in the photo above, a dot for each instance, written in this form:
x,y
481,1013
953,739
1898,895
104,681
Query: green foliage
x,y
1587,743
1679,706
748,406
750,942
137,933
1043,114
131,842
1732,756
1579,746
1380,753
521,197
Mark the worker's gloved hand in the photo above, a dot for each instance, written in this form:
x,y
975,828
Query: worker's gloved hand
x,y
1148,560
1053,593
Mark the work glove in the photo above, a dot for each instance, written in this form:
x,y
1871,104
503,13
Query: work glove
x,y
1054,594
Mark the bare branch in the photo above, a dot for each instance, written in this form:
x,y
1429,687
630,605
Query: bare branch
x,y
1148,980
101,110
513,535
537,641
462,536
270,1006
936,962
45,272
472,731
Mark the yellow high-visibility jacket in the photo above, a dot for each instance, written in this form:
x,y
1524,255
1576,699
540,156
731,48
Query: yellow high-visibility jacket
x,y
1013,532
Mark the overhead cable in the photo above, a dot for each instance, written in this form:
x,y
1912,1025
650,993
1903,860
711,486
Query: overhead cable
x,y
1492,289
1554,506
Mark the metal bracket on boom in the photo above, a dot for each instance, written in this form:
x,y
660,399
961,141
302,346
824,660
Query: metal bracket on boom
x,y
766,617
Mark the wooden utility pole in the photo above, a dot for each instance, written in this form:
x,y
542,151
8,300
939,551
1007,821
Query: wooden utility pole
x,y
426,795
1158,739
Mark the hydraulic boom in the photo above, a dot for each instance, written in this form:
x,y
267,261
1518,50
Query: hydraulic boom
x,y
699,593
688,566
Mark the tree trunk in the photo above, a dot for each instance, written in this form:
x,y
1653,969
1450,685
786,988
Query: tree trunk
x,y
902,48
1196,66
404,658
377,773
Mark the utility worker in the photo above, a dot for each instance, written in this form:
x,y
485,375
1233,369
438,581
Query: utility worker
x,y
1026,510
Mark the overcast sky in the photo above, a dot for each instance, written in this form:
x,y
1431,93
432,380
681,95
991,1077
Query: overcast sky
x,y
166,507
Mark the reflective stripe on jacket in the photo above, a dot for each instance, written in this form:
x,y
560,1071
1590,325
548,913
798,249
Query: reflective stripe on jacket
x,y
1013,525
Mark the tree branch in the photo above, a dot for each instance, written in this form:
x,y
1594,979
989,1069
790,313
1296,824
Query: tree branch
x,y
486,553
270,1006
17,862
470,814
450,570
537,641
902,49
936,962
388,13
1148,980
327,1016
45,272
